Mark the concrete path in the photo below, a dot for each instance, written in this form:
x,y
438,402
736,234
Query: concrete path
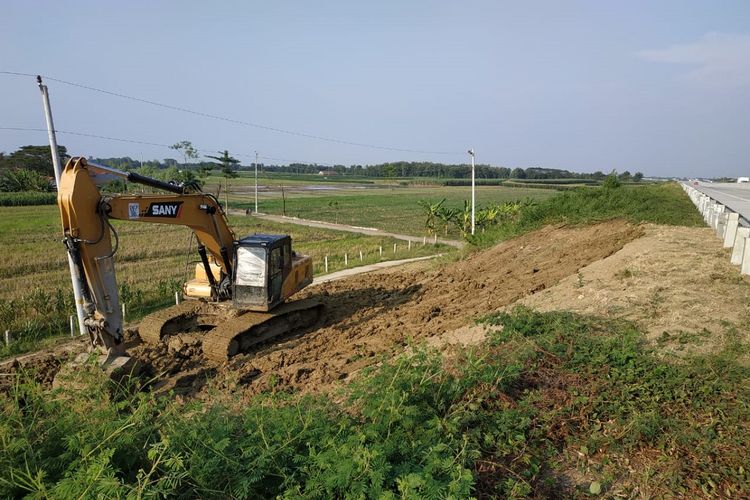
x,y
345,273
370,231
734,196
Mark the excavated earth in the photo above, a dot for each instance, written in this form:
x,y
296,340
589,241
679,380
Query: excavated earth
x,y
372,315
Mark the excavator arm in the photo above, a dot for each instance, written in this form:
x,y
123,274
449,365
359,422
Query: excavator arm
x,y
87,232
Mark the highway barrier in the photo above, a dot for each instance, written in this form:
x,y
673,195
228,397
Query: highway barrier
x,y
730,227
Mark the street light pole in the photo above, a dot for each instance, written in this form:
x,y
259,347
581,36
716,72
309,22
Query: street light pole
x,y
256,182
473,192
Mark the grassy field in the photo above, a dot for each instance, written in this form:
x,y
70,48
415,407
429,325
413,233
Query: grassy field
x,y
392,208
152,263
550,405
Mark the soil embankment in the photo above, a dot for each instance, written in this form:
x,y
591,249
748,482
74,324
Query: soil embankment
x,y
378,314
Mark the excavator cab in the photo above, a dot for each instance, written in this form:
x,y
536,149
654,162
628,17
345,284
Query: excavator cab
x,y
266,271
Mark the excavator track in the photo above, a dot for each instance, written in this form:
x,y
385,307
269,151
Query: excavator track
x,y
229,331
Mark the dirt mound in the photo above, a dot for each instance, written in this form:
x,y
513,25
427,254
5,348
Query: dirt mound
x,y
376,314
379,313
676,282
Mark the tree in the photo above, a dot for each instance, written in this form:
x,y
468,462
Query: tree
x,y
24,179
518,173
611,182
638,177
37,158
227,164
187,149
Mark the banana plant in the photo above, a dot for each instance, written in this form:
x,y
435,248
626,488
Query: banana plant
x,y
432,213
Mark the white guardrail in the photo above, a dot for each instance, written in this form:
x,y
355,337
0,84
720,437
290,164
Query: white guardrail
x,y
727,224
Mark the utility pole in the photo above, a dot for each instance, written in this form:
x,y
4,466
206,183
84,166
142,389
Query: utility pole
x,y
74,272
473,191
256,182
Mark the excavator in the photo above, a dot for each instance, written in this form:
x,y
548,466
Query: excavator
x,y
238,296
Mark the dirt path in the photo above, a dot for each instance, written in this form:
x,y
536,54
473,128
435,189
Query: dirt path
x,y
371,231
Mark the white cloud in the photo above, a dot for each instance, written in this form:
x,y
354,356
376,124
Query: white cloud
x,y
719,59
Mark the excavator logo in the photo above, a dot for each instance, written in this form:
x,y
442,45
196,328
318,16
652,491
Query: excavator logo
x,y
164,209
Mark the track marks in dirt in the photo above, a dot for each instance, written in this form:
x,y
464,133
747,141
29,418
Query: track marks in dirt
x,y
378,314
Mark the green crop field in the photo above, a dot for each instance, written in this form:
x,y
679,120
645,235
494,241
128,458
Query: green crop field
x,y
389,207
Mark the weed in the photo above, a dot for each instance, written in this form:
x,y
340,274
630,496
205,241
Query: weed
x,y
494,420
625,273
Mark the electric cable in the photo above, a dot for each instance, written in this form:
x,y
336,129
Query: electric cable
x,y
147,143
233,120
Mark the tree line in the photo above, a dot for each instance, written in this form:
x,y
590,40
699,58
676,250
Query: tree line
x,y
30,168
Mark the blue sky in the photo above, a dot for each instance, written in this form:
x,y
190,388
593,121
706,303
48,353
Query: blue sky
x,y
658,87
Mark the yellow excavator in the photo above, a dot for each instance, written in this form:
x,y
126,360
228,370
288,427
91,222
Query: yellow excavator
x,y
240,287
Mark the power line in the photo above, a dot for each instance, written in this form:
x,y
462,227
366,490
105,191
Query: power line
x,y
232,120
147,143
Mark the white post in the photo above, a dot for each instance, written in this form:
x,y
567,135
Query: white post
x,y
72,326
123,312
733,221
381,251
361,257
346,260
326,263
424,240
8,340
739,245
745,267
256,182
473,191
408,246
177,298
394,248
435,242
226,195
77,291
721,225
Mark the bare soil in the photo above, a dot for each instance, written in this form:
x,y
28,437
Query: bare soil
x,y
376,315
676,283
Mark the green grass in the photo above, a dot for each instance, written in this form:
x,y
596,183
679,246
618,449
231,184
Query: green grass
x,y
552,404
392,209
654,203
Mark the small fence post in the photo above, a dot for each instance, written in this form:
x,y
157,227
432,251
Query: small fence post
x,y
360,256
394,248
177,298
72,322
8,339
408,246
381,251
424,240
435,243
326,263
346,260
124,310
